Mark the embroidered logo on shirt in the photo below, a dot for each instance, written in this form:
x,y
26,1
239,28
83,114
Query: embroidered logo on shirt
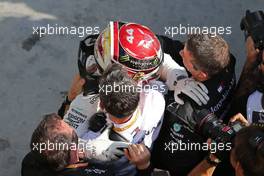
x,y
177,127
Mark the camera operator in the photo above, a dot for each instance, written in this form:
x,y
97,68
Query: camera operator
x,y
247,154
208,60
249,99
55,152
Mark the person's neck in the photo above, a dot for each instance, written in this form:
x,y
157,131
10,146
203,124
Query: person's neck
x,y
201,79
76,160
77,165
117,120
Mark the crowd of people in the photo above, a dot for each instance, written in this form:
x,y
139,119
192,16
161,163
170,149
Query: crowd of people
x,y
139,97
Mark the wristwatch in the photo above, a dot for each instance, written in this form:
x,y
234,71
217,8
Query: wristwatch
x,y
211,161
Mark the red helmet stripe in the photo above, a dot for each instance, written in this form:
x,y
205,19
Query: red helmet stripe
x,y
116,41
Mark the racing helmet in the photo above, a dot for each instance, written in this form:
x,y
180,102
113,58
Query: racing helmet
x,y
131,45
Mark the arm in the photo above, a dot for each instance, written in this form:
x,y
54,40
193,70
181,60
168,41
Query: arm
x,y
154,107
80,112
204,168
244,80
139,155
169,67
102,148
239,117
176,79
75,89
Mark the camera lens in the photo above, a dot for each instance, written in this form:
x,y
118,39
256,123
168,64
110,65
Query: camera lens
x,y
209,126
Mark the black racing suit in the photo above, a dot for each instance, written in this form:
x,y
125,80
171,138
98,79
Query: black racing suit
x,y
34,165
221,88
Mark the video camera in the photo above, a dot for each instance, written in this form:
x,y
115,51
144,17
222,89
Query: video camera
x,y
206,124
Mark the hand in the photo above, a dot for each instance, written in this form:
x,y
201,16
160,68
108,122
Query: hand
x,y
102,148
76,87
239,117
212,151
193,89
139,155
251,51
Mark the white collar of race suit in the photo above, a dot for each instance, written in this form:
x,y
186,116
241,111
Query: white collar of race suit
x,y
127,124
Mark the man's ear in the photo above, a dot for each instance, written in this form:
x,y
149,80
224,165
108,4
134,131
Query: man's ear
x,y
101,105
203,76
74,156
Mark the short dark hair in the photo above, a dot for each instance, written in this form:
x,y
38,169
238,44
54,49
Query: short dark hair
x,y
120,103
211,53
49,130
249,156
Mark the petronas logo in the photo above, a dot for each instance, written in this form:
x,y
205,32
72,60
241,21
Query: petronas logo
x,y
177,127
